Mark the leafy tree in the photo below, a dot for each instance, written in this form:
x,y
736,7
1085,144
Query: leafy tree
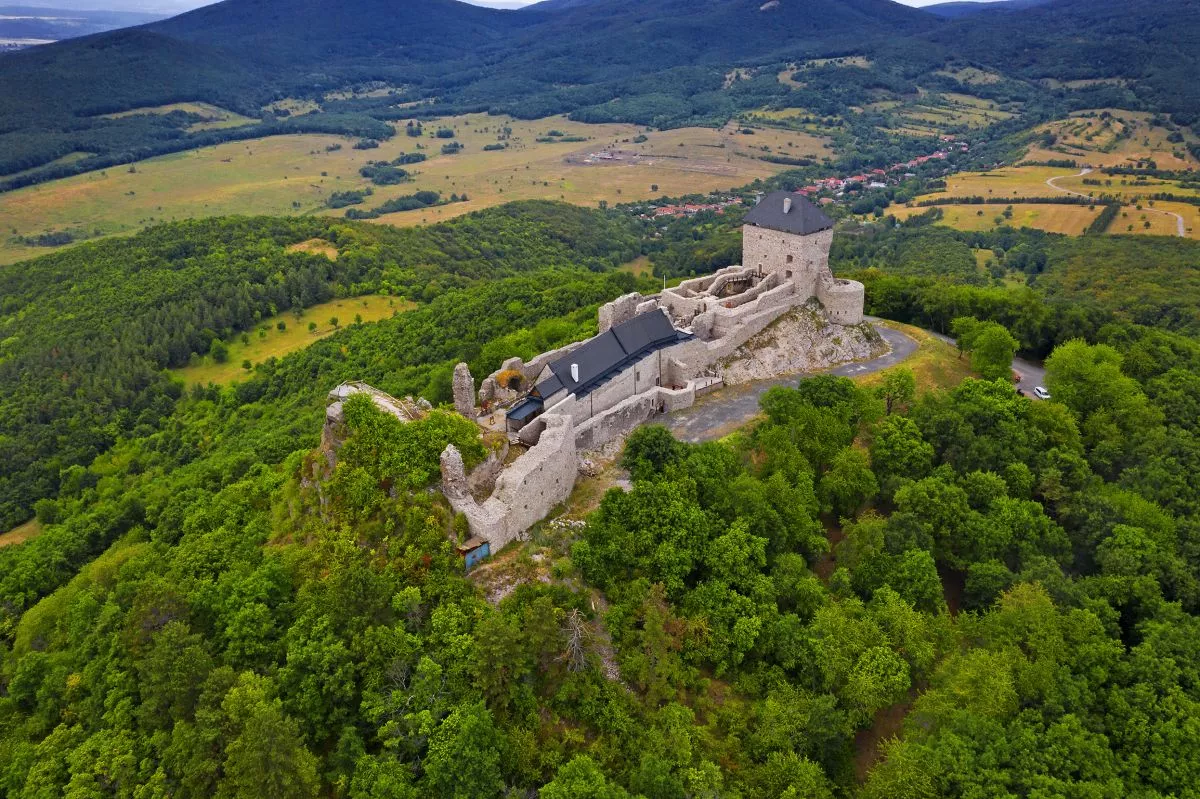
x,y
898,388
465,755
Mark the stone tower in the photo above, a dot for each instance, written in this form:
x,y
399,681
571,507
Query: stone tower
x,y
786,234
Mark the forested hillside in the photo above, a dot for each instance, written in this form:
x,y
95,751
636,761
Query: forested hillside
x,y
209,611
87,333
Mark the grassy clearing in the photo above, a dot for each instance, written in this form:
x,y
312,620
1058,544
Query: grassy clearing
x,y
270,342
316,247
295,174
21,533
1069,219
935,364
214,117
639,267
972,76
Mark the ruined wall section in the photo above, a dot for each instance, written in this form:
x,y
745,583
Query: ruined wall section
x,y
526,491
623,417
622,309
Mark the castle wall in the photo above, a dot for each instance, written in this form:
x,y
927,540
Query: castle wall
x,y
526,491
625,416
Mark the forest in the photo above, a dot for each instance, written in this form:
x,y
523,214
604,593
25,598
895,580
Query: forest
x,y
211,610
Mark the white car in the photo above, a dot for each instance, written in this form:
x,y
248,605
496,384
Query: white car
x,y
1041,393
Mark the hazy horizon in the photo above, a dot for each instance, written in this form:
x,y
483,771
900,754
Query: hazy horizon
x,y
172,7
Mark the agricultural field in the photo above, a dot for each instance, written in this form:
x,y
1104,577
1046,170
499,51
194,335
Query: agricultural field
x,y
1113,137
1069,219
268,341
296,174
1022,181
1122,186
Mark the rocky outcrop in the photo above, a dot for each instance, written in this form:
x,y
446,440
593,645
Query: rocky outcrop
x,y
464,391
802,340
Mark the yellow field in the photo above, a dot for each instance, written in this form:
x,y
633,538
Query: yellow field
x,y
297,336
316,247
215,117
1069,219
1190,214
1121,186
1121,139
21,533
1023,181
282,175
682,161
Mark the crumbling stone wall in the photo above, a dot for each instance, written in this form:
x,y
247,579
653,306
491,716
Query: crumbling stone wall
x,y
623,417
622,309
525,492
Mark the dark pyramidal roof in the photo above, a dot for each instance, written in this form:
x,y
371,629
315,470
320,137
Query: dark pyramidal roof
x,y
608,353
788,213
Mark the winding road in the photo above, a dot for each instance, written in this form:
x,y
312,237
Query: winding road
x,y
723,411
1180,224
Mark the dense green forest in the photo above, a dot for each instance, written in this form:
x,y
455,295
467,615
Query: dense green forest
x,y
212,611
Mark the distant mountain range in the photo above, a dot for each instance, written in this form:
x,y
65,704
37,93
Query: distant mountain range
x,y
34,24
660,63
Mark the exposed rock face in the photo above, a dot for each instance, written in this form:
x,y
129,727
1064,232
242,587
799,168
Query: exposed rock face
x,y
488,390
454,473
464,391
803,340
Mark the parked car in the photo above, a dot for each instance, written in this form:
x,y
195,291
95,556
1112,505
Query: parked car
x,y
1041,393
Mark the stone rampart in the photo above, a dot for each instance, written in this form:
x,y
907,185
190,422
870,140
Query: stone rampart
x,y
625,416
526,491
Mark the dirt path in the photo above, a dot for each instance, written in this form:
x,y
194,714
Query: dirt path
x,y
1180,224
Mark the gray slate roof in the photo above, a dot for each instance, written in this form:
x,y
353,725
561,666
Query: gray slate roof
x,y
608,353
801,219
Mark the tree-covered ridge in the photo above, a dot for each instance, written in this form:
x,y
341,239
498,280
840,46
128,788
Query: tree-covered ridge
x,y
87,333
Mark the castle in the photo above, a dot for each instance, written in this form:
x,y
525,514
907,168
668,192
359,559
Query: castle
x,y
653,355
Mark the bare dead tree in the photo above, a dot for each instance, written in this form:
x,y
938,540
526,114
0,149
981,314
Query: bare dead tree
x,y
578,634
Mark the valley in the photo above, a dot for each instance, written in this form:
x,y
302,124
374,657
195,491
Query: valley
x,y
297,175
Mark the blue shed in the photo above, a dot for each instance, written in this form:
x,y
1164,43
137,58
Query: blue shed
x,y
473,551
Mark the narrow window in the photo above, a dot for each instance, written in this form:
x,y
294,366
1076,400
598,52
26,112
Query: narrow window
x,y
789,259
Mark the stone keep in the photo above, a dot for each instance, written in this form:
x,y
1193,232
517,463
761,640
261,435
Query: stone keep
x,y
464,391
